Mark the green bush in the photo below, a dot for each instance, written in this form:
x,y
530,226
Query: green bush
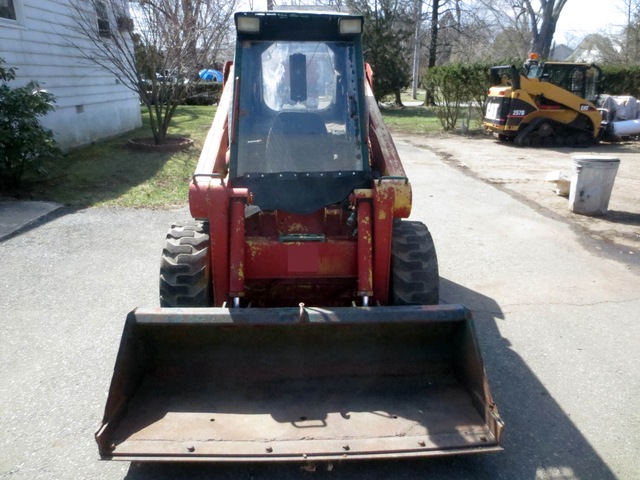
x,y
205,93
456,84
24,144
621,80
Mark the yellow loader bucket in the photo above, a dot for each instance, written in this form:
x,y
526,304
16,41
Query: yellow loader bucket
x,y
287,384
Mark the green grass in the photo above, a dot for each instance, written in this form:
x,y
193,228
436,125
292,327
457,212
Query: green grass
x,y
411,120
406,96
111,174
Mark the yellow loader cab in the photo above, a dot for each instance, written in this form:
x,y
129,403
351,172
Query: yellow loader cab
x,y
551,105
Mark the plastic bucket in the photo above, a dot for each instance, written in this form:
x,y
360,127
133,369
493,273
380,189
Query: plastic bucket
x,y
592,183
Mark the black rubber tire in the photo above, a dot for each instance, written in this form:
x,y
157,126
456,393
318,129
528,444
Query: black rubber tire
x,y
414,266
185,267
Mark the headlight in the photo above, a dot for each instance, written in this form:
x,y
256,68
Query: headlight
x,y
350,25
248,24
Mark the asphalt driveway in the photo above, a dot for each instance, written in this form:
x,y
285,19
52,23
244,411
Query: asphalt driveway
x,y
558,326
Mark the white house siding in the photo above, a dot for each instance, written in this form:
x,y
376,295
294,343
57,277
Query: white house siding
x,y
90,102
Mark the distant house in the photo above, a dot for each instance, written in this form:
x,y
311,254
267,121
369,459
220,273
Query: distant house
x,y
595,48
560,52
36,38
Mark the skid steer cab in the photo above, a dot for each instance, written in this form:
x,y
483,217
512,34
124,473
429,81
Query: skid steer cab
x,y
549,104
300,316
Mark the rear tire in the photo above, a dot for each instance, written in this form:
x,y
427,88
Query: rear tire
x,y
185,267
414,266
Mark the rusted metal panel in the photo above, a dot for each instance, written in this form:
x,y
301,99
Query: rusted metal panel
x,y
365,248
423,314
282,245
385,159
383,215
210,199
278,385
237,248
388,160
330,222
309,449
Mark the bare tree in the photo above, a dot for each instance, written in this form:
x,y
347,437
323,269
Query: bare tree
x,y
433,31
543,23
629,42
467,35
533,21
155,47
443,16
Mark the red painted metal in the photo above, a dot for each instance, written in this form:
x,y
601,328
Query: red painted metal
x,y
384,155
281,245
216,383
249,251
330,221
210,200
237,248
227,71
268,259
365,248
236,110
383,213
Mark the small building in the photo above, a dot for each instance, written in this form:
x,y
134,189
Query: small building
x,y
559,53
40,39
595,48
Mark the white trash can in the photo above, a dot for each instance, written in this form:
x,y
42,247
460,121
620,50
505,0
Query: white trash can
x,y
592,183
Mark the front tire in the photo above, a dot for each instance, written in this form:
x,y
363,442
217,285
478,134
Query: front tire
x,y
185,267
414,265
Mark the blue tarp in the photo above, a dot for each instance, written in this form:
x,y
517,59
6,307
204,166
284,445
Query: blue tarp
x,y
210,74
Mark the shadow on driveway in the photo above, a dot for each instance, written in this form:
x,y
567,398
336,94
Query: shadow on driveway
x,y
540,440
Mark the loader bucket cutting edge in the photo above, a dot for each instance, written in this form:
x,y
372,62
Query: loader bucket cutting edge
x,y
284,384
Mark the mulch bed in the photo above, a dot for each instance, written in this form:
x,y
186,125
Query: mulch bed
x,y
171,144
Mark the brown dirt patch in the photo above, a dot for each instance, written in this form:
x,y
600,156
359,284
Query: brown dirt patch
x,y
171,144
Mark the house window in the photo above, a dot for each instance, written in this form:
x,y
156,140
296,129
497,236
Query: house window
x,y
104,29
7,9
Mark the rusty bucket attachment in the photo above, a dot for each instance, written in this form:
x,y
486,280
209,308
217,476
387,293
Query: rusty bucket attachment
x,y
284,385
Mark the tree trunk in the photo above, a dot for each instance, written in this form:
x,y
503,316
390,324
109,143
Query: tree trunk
x,y
433,43
543,34
190,25
433,48
398,101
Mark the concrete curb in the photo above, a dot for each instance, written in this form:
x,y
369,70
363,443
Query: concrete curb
x,y
18,215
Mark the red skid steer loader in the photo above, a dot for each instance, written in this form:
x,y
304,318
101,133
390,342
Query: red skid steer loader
x,y
299,316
